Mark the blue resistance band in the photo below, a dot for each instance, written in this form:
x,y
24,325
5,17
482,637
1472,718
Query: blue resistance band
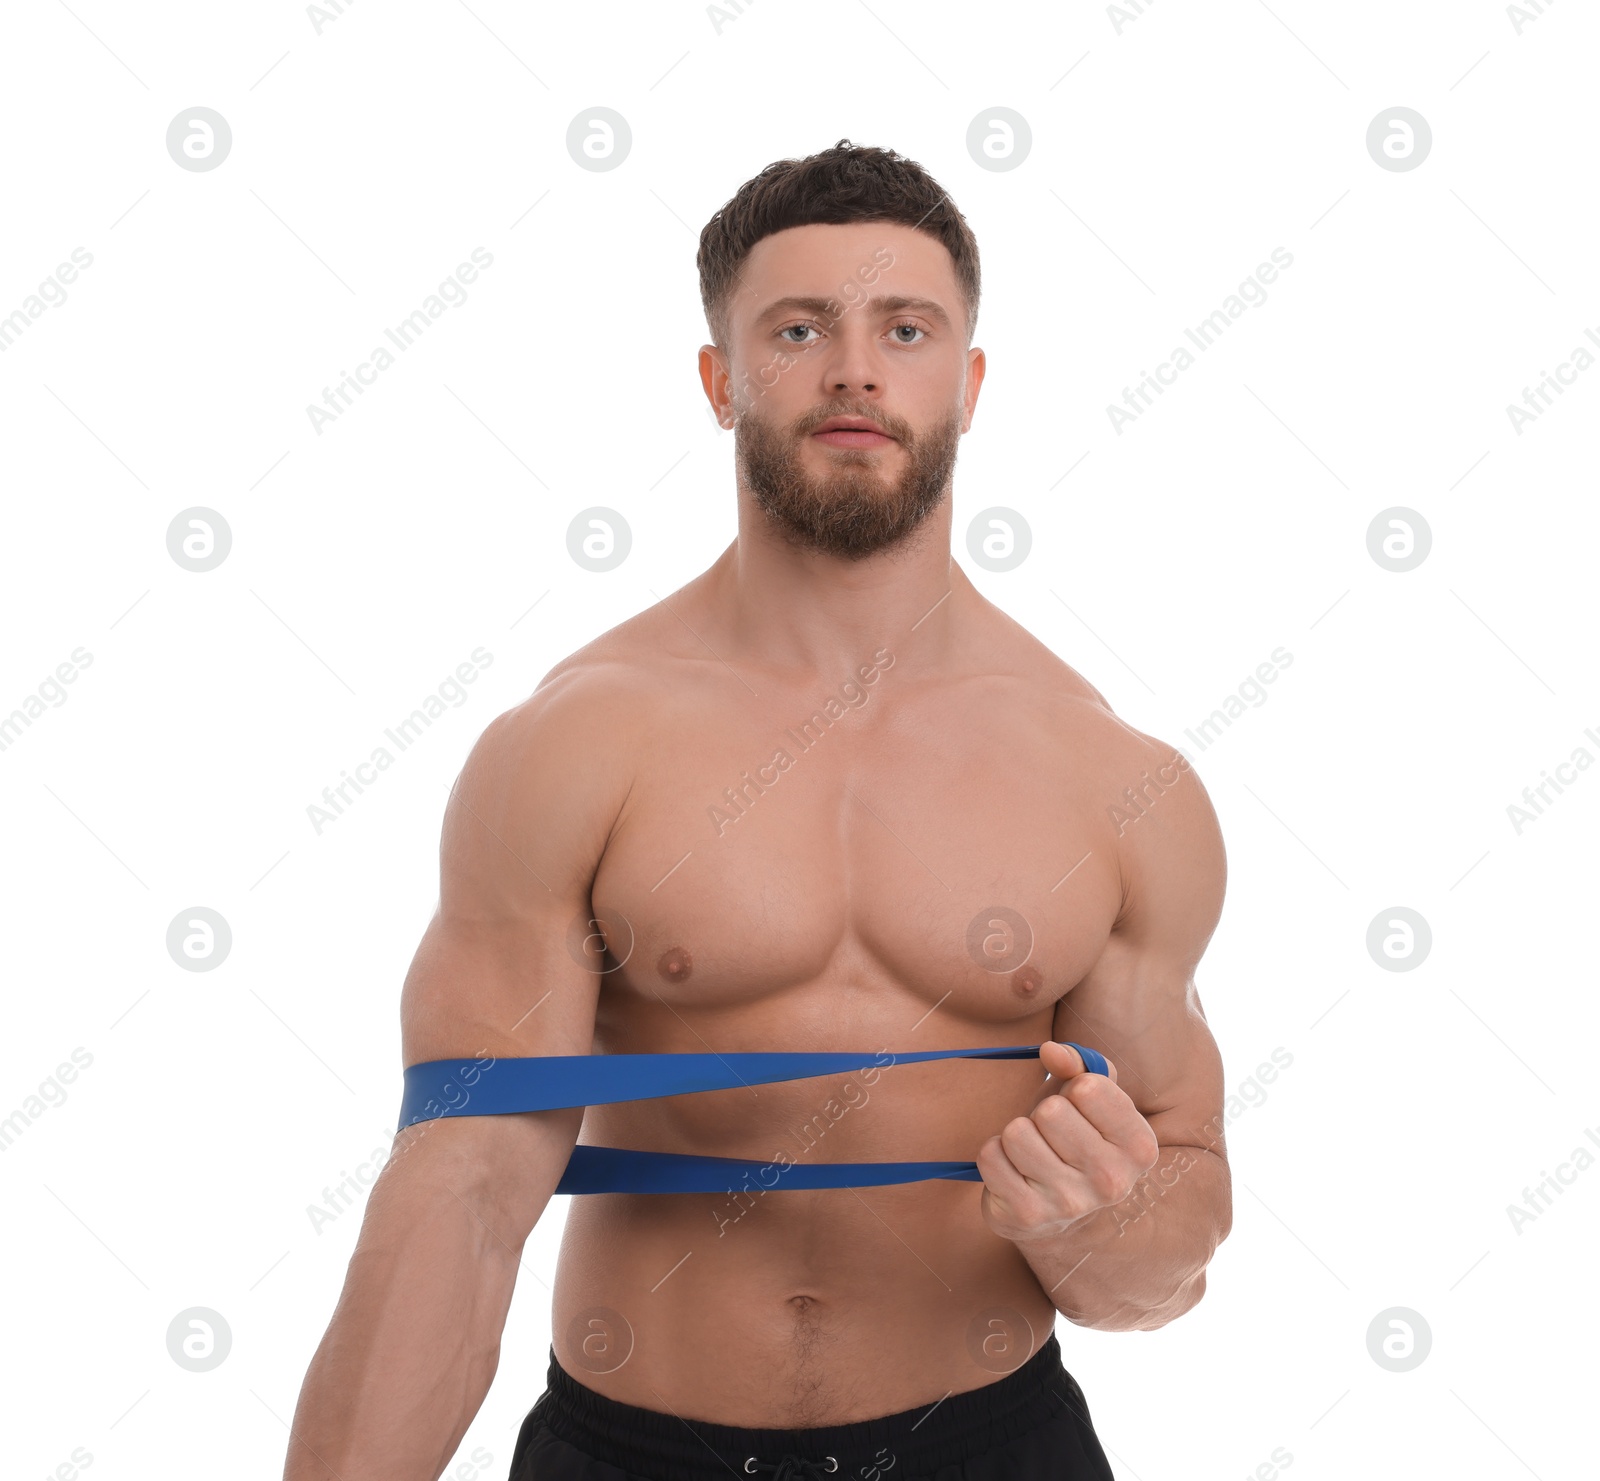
x,y
502,1087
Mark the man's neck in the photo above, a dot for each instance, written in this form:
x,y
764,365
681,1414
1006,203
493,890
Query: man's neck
x,y
803,609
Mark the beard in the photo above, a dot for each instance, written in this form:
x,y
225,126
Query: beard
x,y
853,510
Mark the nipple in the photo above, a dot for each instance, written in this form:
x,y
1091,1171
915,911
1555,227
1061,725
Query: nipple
x,y
675,965
1026,981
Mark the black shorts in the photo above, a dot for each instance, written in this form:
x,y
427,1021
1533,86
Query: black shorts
x,y
1031,1425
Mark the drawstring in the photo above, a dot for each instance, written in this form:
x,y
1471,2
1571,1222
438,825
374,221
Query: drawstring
x,y
792,1467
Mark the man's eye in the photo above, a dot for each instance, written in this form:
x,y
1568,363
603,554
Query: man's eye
x,y
790,328
915,328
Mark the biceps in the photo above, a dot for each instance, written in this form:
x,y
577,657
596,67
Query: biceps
x,y
1143,1013
500,986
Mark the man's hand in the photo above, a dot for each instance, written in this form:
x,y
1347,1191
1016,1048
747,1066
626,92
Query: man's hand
x,y
1082,1148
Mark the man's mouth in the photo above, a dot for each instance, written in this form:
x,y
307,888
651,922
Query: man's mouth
x,y
852,432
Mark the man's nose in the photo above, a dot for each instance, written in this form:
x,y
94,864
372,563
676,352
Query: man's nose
x,y
852,365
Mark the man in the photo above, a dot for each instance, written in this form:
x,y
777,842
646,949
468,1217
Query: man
x,y
824,797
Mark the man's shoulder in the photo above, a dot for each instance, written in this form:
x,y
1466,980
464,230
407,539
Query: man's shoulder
x,y
597,697
1058,693
1102,745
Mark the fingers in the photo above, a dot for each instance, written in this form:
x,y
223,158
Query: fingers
x,y
1100,1101
1063,1061
1033,1157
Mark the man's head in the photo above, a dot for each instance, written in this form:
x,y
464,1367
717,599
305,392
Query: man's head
x,y
842,287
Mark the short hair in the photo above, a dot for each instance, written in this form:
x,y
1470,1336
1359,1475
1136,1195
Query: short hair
x,y
849,182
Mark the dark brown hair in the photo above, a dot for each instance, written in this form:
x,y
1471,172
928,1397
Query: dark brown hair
x,y
849,182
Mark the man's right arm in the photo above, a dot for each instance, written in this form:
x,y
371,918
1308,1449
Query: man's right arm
x,y
415,1339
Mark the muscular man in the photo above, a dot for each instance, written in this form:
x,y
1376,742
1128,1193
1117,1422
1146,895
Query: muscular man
x,y
825,797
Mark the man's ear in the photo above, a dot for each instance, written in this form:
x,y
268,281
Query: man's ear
x,y
976,365
715,377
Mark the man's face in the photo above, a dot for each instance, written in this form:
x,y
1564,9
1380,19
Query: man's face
x,y
846,382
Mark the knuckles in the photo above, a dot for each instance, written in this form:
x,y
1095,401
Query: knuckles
x,y
1109,1183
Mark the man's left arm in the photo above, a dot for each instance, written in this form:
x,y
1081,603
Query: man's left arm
x,y
1116,1188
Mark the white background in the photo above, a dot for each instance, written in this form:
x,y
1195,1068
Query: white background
x,y
1168,160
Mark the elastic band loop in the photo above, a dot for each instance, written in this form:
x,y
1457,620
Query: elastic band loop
x,y
503,1087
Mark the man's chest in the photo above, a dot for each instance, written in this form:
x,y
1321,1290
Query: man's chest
x,y
963,856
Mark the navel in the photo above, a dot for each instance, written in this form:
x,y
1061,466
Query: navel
x,y
675,965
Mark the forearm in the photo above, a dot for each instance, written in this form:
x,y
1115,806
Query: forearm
x,y
1139,1264
415,1339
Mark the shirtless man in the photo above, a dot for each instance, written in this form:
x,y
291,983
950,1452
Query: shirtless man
x,y
825,797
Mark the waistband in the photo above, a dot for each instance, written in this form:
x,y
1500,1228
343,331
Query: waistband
x,y
921,1440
